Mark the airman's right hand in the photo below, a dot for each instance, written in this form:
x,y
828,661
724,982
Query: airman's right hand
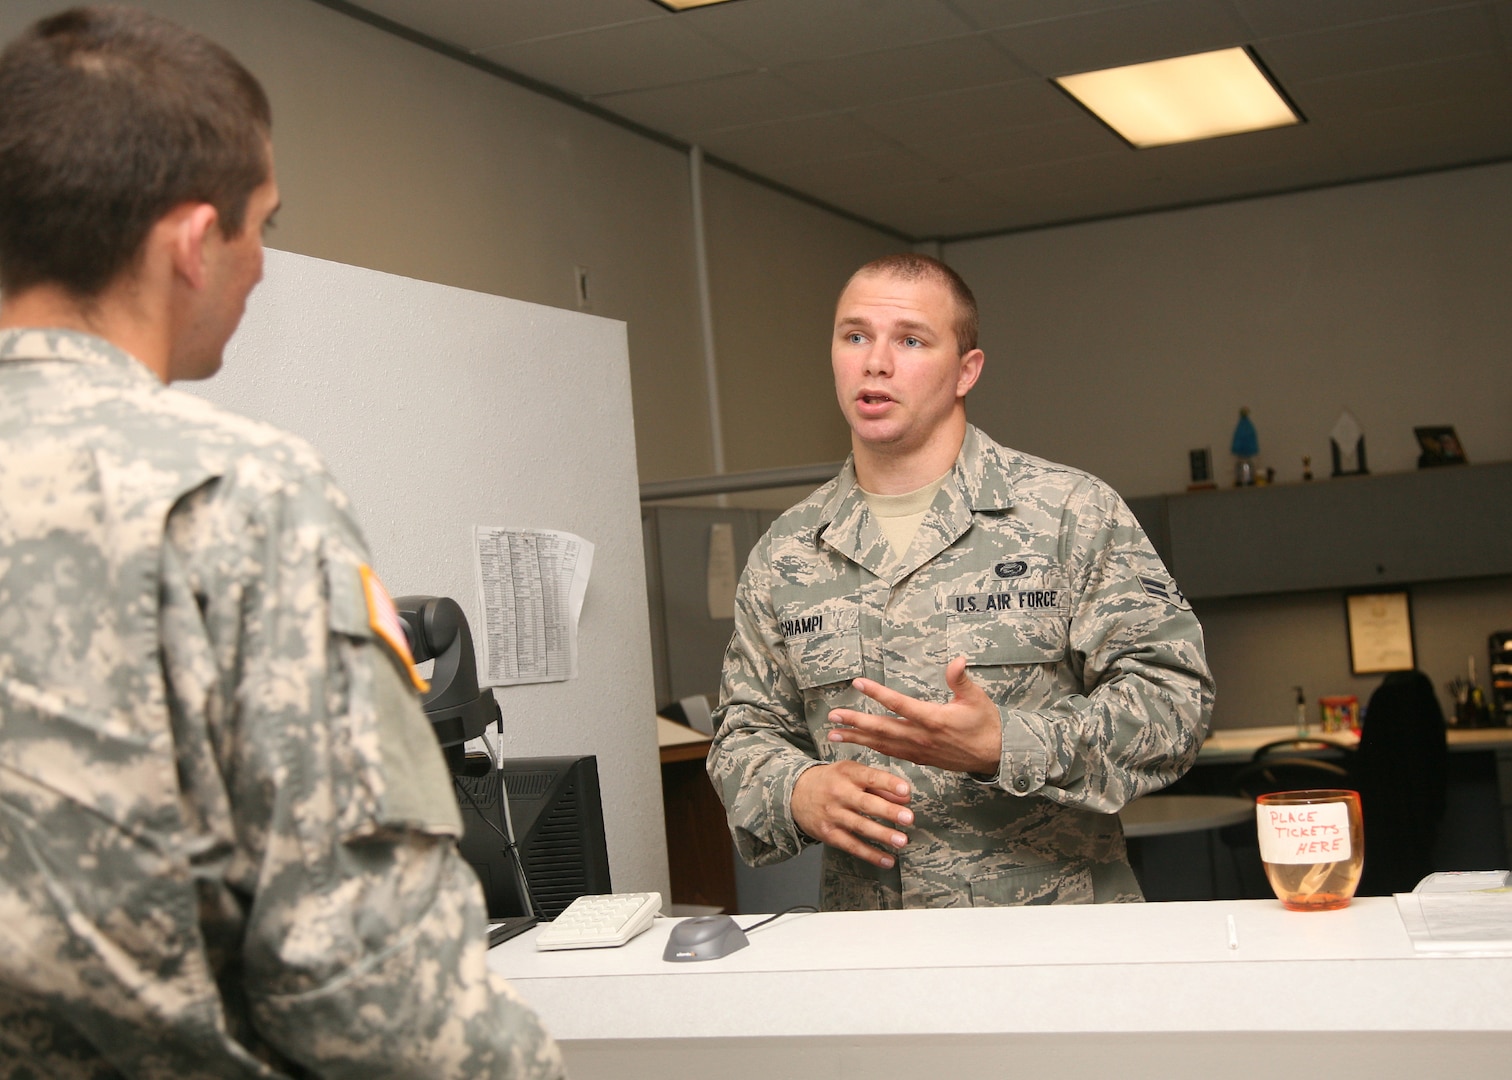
x,y
855,808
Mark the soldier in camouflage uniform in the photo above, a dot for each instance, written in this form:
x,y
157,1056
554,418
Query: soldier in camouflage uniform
x,y
227,837
950,638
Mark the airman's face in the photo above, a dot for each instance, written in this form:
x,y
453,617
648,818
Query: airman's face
x,y
899,373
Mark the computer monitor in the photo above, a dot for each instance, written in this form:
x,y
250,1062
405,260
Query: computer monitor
x,y
558,820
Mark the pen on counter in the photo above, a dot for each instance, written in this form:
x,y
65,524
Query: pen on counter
x,y
1233,934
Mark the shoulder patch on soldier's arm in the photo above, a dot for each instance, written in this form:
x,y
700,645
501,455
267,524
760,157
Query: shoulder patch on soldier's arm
x,y
383,620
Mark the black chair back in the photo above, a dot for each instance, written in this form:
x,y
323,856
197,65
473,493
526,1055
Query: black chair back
x,y
1402,764
1277,773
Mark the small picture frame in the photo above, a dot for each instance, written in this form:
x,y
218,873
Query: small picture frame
x,y
1200,466
1440,446
1380,632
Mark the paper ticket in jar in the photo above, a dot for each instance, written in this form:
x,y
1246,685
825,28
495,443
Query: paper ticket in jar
x,y
1303,832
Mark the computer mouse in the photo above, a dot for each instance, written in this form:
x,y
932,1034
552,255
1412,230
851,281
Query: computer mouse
x,y
704,937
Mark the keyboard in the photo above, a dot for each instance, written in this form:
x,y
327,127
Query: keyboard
x,y
600,922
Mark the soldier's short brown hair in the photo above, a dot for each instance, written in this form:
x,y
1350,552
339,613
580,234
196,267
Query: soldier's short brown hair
x,y
109,118
911,266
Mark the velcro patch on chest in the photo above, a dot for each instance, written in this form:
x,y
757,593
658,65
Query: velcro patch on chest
x,y
813,622
1004,602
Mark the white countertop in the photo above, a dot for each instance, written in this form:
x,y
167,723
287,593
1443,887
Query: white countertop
x,y
1105,968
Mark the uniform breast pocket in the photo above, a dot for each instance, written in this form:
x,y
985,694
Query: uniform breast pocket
x,y
1014,664
825,658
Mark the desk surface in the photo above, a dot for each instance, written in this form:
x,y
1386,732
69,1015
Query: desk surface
x,y
1240,744
1106,968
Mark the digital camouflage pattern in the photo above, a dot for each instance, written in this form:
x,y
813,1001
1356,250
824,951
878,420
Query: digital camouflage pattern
x,y
226,831
1041,577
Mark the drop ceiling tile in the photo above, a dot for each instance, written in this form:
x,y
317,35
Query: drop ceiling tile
x,y
961,113
635,56
994,14
474,26
836,179
954,193
1095,172
1469,78
732,101
1057,208
809,138
1271,18
1423,136
929,209
1280,149
1017,147
1220,178
1081,190
774,32
1124,35
924,136
895,74
1374,46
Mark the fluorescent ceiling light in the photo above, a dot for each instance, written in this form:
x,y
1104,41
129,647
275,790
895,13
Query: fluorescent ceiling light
x,y
683,5
1184,98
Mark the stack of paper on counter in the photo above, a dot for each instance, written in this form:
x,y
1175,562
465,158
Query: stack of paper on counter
x,y
1469,912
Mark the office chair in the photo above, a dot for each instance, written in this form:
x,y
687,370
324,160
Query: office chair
x,y
1402,766
1295,764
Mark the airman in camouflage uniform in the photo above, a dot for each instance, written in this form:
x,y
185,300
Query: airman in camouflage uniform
x,y
227,836
1090,660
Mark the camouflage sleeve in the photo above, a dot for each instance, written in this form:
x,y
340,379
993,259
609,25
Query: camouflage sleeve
x,y
1147,694
761,738
364,948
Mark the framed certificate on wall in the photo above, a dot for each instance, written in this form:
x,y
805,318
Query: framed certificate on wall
x,y
1380,632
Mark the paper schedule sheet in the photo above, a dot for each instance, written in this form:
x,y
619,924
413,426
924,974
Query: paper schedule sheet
x,y
531,584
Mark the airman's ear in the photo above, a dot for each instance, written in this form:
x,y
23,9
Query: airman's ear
x,y
971,371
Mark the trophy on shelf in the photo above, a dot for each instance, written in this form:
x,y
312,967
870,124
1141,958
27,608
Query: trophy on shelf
x,y
1348,444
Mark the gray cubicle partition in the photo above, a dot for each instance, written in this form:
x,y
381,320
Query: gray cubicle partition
x,y
687,641
440,409
687,651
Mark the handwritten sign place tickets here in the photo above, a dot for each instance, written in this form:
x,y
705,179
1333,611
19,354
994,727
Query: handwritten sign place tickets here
x,y
1304,833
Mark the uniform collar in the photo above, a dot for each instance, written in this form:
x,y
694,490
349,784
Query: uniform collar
x,y
70,346
979,482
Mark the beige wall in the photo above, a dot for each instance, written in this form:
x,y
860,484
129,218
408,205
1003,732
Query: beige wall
x,y
396,158
1120,345
776,267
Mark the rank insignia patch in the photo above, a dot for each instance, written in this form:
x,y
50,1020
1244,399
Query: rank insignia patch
x,y
1165,590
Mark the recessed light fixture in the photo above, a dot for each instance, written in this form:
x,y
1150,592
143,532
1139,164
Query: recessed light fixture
x,y
1201,96
684,5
